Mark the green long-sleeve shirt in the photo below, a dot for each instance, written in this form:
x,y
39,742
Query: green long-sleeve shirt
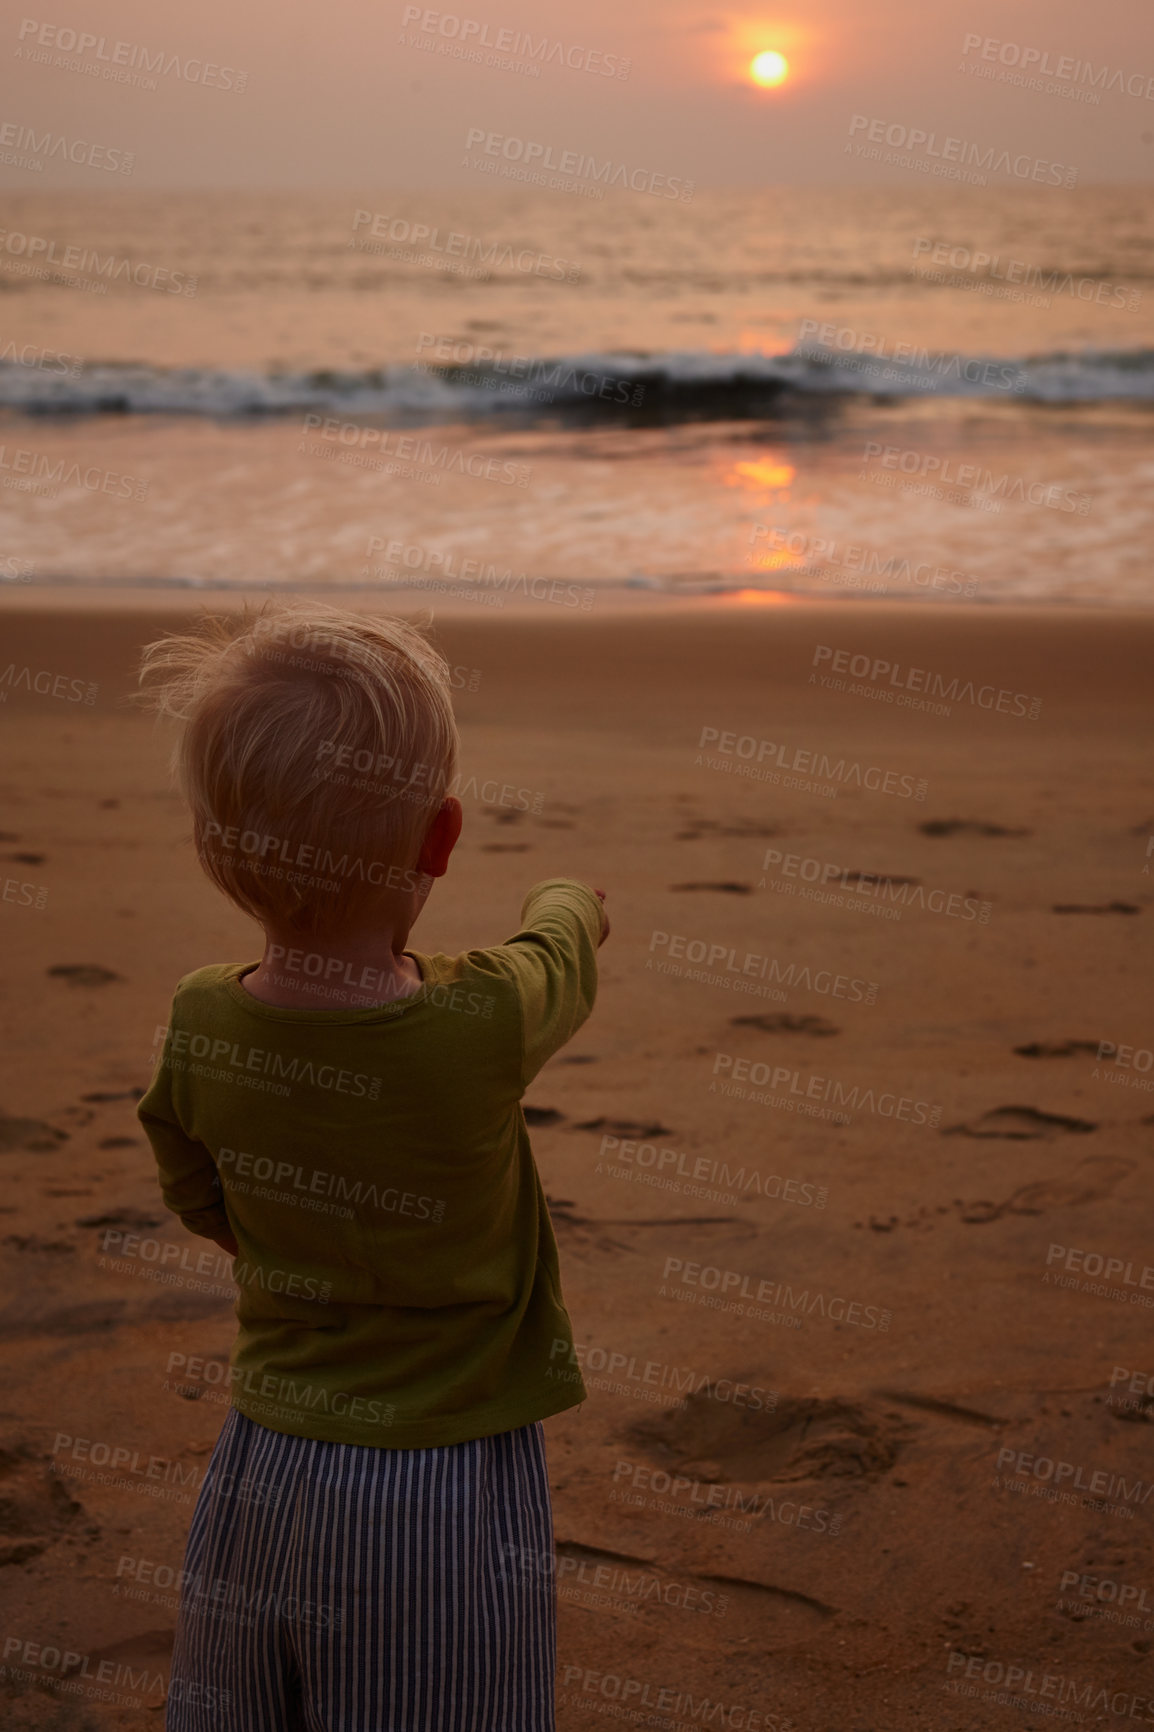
x,y
397,1271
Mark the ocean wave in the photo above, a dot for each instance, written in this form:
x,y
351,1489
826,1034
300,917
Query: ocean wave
x,y
484,383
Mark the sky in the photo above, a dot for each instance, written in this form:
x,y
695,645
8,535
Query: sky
x,y
361,94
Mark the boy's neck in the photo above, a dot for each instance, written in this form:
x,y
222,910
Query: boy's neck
x,y
351,973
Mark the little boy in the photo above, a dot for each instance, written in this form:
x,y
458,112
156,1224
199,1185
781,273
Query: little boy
x,y
344,1119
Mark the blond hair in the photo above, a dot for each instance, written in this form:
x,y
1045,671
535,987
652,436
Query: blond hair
x,y
316,747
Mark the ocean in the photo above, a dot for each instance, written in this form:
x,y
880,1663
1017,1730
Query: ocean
x,y
919,393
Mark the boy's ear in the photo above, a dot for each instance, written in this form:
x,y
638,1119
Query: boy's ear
x,y
441,838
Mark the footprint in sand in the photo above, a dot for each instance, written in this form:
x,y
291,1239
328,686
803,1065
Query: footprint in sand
x,y
1140,1411
922,1219
1059,1048
1095,1177
32,1242
126,1217
589,1229
798,1439
36,1508
636,1574
31,1134
147,1654
780,1022
967,827
730,886
83,973
24,1318
1021,1124
943,1409
697,827
1096,908
639,1128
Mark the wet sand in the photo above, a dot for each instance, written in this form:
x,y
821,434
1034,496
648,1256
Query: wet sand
x,y
910,1349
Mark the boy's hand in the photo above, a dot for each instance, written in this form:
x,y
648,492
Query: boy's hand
x,y
604,919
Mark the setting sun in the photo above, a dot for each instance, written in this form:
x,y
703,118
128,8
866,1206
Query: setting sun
x,y
769,68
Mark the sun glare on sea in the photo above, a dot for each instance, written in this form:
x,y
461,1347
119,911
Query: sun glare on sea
x,y
769,69
763,475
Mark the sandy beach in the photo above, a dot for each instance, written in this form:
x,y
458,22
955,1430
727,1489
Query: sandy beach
x,y
846,1170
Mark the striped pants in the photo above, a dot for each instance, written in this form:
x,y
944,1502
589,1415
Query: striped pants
x,y
333,1587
